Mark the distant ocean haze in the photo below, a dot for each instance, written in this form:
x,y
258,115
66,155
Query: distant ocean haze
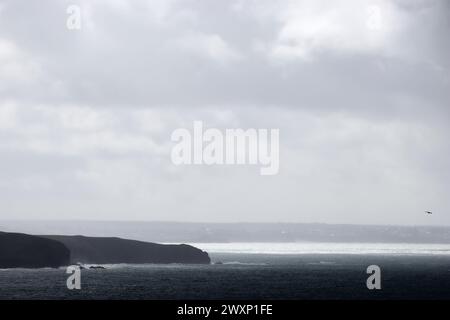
x,y
179,232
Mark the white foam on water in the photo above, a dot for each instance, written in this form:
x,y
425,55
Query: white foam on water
x,y
244,263
325,248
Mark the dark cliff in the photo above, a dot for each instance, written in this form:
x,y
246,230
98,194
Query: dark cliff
x,y
117,250
19,250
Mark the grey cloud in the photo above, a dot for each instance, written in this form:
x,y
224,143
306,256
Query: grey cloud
x,y
124,57
86,116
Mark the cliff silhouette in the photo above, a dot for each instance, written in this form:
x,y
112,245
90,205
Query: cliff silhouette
x,y
116,250
18,250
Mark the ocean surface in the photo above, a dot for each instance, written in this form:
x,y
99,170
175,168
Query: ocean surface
x,y
255,271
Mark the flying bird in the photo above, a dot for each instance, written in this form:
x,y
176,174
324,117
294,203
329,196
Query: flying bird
x,y
428,212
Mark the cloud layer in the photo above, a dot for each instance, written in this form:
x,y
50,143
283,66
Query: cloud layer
x,y
358,89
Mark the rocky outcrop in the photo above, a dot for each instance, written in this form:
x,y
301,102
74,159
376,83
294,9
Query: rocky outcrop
x,y
116,250
19,250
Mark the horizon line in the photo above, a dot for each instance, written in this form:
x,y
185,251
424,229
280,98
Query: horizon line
x,y
222,222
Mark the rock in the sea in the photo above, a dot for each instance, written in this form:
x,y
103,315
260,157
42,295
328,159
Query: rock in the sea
x,y
93,250
97,267
26,251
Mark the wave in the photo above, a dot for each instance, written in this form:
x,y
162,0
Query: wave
x,y
29,269
325,248
326,263
244,263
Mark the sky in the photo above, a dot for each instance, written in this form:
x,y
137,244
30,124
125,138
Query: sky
x,y
359,91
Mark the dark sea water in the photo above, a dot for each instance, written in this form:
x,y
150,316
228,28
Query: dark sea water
x,y
245,276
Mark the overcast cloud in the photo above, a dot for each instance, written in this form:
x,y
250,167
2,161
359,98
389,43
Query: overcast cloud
x,y
360,91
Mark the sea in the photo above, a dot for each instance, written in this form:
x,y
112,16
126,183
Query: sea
x,y
272,271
